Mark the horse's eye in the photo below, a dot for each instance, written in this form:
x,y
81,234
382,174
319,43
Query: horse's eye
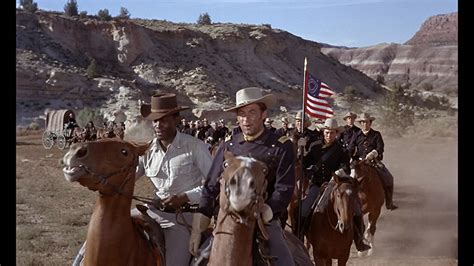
x,y
124,152
225,164
265,171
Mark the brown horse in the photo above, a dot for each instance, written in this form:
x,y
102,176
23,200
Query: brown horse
x,y
331,231
243,185
371,195
241,202
108,166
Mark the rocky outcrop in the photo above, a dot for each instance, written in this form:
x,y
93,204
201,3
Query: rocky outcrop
x,y
205,65
437,30
429,61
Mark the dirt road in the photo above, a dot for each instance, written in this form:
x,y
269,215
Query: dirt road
x,y
52,214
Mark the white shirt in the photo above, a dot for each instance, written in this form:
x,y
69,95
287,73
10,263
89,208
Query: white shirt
x,y
182,168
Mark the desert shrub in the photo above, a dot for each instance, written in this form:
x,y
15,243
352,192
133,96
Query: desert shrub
x,y
29,5
204,19
70,8
396,116
104,14
83,14
92,70
33,126
380,79
427,86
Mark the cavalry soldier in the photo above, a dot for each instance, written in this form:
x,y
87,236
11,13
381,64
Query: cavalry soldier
x,y
349,130
257,141
324,158
308,134
268,124
283,130
368,144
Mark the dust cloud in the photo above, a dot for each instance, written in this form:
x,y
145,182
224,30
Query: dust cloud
x,y
424,230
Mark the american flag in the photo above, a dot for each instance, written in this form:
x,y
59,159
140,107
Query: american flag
x,y
315,100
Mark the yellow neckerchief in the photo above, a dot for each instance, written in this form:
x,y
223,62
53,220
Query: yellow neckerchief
x,y
366,132
254,137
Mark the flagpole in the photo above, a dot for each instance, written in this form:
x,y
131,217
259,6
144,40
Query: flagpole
x,y
300,155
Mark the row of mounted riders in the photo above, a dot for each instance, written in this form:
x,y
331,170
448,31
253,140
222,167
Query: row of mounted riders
x,y
90,133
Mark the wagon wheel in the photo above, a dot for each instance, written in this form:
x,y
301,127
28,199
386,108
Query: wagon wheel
x,y
48,140
61,142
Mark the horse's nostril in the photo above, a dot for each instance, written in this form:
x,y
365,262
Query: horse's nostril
x,y
232,181
252,184
81,152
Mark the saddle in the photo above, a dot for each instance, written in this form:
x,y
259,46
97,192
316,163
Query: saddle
x,y
150,231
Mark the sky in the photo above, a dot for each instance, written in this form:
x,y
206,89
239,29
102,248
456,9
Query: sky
x,y
351,23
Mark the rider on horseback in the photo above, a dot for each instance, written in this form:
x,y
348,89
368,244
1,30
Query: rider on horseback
x,y
323,159
256,141
368,144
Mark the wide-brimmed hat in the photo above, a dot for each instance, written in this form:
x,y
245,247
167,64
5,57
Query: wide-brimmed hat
x,y
252,95
330,123
365,117
162,104
349,114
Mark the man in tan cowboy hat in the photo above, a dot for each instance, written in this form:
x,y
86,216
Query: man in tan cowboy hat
x,y
256,140
349,130
324,158
368,144
175,163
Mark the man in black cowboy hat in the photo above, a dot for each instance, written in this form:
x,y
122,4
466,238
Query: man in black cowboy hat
x,y
368,144
324,158
259,142
176,164
349,130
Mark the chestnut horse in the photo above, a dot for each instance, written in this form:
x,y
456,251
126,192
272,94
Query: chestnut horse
x,y
371,195
108,166
331,231
241,203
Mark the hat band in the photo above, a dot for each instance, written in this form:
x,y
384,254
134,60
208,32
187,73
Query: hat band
x,y
161,110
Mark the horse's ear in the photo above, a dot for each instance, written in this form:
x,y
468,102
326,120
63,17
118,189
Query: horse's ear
x,y
336,178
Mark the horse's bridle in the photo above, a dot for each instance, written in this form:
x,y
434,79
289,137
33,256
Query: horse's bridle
x,y
103,179
335,227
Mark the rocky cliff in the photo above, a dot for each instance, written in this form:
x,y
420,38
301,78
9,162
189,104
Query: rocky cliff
x,y
428,61
204,64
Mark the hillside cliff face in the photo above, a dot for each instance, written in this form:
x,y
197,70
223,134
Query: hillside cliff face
x,y
428,59
205,65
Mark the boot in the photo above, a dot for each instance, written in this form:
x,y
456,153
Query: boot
x,y
389,199
359,233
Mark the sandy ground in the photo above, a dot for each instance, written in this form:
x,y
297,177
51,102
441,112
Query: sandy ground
x,y
423,231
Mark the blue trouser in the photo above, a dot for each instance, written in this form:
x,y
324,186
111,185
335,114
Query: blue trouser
x,y
277,244
307,202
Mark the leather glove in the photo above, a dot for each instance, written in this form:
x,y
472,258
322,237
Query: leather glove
x,y
200,224
267,213
371,155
